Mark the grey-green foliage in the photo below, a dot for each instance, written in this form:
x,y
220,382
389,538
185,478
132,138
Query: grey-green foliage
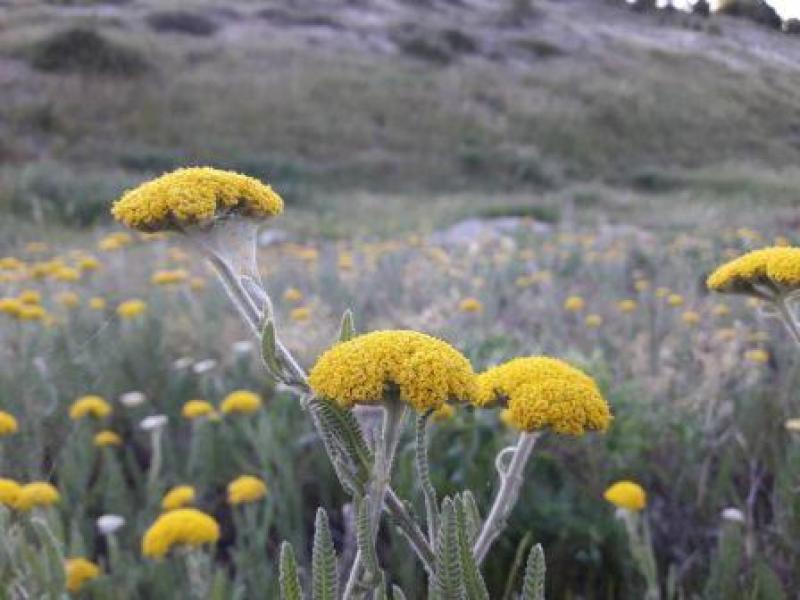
x,y
473,581
31,559
289,580
533,584
364,539
324,576
344,443
449,575
424,474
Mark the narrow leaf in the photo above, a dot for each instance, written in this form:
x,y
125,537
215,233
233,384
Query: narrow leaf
x,y
533,584
365,539
449,574
347,329
325,579
473,581
288,578
269,352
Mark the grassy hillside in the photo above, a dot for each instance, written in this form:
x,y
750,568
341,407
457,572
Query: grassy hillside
x,y
410,99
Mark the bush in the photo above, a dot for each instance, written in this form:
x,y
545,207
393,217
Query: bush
x,y
85,51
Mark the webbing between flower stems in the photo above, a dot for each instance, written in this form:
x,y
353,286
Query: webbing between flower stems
x,y
507,495
247,310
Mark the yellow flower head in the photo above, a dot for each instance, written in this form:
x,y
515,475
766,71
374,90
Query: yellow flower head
x,y
721,310
470,305
540,392
675,300
626,494
178,497
97,303
690,317
88,263
194,409
757,355
593,321
30,297
11,306
192,196
180,527
78,571
242,402
8,423
246,489
293,295
574,304
10,491
107,438
426,371
169,277
38,493
300,314
776,265
627,306
68,299
93,406
130,309
67,274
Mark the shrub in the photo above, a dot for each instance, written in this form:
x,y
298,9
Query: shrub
x,y
81,50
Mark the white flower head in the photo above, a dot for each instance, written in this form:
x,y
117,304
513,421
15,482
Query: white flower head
x,y
242,347
132,399
154,422
204,366
733,514
183,363
107,524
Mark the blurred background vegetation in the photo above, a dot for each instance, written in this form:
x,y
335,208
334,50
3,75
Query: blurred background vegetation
x,y
656,131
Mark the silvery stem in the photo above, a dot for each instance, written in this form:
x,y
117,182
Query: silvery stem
x,y
507,495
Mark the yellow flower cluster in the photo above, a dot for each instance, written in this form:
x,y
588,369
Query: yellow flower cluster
x,y
130,309
574,304
180,527
470,305
9,492
8,423
241,402
178,497
293,295
246,489
777,265
107,438
37,493
78,571
426,371
300,314
540,392
92,406
193,196
626,494
194,409
169,277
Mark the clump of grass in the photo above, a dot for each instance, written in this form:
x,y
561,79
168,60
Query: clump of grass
x,y
181,21
81,50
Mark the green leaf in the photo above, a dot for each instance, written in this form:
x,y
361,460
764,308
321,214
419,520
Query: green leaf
x,y
325,579
288,578
473,581
533,584
365,540
449,574
474,520
269,352
347,330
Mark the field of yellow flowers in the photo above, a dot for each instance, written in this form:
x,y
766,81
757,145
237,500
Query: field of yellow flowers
x,y
146,451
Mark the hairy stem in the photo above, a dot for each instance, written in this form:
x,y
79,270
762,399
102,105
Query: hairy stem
x,y
507,495
249,314
424,475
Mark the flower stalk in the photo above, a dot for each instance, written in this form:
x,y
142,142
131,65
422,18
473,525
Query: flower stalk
x,y
511,478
